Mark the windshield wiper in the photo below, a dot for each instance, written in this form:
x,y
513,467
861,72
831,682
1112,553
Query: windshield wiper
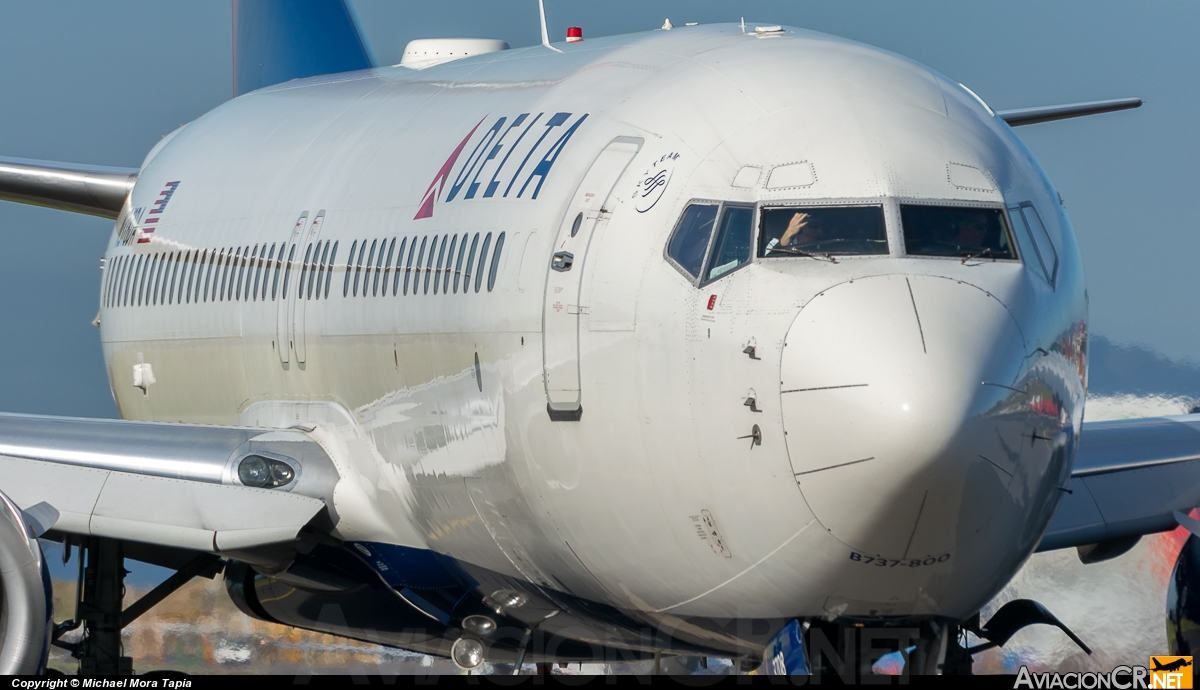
x,y
800,252
985,252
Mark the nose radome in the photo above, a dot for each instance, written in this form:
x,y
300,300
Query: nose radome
x,y
893,390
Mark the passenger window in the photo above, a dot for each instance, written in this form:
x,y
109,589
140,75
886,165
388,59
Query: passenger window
x,y
170,273
955,231
416,267
332,263
112,269
822,231
437,276
399,264
148,284
218,292
378,268
483,252
147,290
202,280
240,266
135,289
178,276
287,270
449,261
689,242
251,264
258,273
495,262
218,283
349,260
732,248
235,272
1030,227
161,280
146,279
170,278
136,281
305,273
470,260
126,279
186,278
121,281
271,277
319,267
358,269
168,283
387,265
225,262
462,251
175,288
429,265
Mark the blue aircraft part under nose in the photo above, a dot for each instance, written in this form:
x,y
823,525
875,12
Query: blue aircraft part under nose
x,y
785,655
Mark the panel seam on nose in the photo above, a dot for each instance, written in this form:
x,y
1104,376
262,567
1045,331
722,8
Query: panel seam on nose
x,y
917,314
917,524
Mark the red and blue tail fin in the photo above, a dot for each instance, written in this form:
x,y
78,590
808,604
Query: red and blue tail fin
x,y
278,40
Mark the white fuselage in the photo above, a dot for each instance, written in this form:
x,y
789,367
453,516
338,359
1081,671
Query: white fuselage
x,y
916,415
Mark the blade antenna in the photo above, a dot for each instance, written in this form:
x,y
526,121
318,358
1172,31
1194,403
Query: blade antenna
x,y
545,33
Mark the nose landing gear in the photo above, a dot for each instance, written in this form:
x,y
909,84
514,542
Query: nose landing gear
x,y
932,647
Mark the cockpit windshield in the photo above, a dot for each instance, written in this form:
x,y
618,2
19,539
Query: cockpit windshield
x,y
956,231
822,231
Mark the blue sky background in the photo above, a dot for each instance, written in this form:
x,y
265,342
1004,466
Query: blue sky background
x,y
102,82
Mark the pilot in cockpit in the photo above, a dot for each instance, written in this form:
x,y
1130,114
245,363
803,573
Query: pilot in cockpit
x,y
801,230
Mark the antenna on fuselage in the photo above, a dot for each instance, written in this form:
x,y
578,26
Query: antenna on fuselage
x,y
545,33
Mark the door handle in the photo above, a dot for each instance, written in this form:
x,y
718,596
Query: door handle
x,y
562,261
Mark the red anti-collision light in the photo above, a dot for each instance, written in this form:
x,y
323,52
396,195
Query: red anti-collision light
x,y
574,34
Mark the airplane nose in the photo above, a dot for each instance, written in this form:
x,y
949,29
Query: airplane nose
x,y
897,396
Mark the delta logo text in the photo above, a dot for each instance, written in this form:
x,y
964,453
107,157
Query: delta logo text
x,y
1163,672
510,159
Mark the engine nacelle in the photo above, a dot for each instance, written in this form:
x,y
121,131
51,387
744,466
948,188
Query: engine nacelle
x,y
25,596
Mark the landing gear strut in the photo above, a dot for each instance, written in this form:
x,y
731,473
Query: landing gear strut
x,y
101,590
98,604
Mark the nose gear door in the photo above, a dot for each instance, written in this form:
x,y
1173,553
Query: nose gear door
x,y
585,213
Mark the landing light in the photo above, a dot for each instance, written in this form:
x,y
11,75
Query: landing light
x,y
265,473
467,653
479,625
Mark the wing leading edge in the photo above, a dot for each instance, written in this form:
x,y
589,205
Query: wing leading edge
x,y
1033,116
165,485
91,189
1130,478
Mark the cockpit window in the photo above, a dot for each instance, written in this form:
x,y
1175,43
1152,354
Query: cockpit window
x,y
822,231
955,231
1036,247
690,241
732,248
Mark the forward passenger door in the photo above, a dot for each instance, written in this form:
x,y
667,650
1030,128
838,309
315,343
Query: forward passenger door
x,y
586,214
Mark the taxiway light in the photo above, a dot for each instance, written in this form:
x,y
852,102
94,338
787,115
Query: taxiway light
x,y
265,473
